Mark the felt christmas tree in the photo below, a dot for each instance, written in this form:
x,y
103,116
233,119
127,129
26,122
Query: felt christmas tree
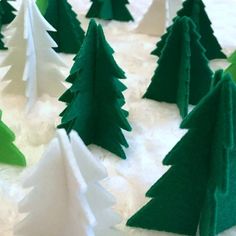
x,y
9,153
195,9
232,68
69,35
110,10
198,191
95,99
157,12
8,12
190,76
34,64
42,5
58,184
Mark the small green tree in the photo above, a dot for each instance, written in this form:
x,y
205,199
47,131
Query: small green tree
x,y
195,9
232,68
69,35
9,154
183,75
199,188
95,99
110,10
8,12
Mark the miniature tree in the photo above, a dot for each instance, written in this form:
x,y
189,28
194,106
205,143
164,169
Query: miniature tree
x,y
110,10
9,153
34,64
232,68
42,5
156,13
69,35
58,176
195,9
8,12
199,188
95,99
190,77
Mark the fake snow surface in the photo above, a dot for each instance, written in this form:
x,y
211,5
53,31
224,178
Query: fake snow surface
x,y
155,125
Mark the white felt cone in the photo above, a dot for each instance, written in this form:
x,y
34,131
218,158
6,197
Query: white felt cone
x,y
62,201
154,21
34,65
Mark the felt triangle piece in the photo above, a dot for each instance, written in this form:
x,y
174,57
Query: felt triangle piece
x,y
190,77
8,12
69,35
232,67
156,13
110,10
34,66
195,9
95,99
198,191
9,153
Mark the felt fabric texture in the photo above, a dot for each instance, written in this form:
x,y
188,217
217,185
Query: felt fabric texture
x,y
195,9
9,153
199,188
2,45
69,35
110,10
232,67
189,78
95,99
42,5
8,12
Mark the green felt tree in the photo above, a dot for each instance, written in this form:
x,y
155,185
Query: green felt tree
x,y
69,35
183,75
232,68
8,12
2,45
196,10
95,99
110,10
9,154
42,5
199,188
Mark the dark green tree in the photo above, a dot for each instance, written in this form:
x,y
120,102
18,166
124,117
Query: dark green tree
x,y
9,154
2,45
8,12
195,9
199,188
110,10
183,75
95,99
69,35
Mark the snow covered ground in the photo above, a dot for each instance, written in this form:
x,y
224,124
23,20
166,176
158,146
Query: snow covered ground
x,y
155,125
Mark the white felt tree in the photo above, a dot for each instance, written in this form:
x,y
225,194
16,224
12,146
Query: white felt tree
x,y
34,66
61,203
158,16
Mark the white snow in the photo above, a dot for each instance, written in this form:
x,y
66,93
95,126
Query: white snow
x,y
155,125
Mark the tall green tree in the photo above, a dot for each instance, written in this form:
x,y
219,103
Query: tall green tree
x,y
69,35
110,10
199,188
183,75
8,12
195,9
9,153
95,99
232,68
